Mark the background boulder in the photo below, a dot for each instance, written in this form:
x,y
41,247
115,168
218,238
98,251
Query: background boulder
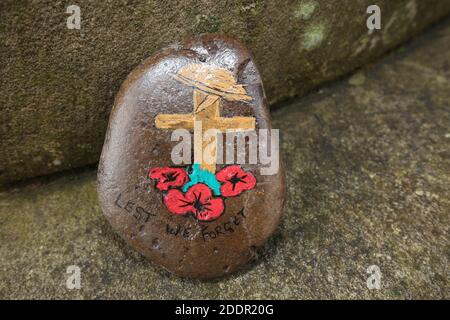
x,y
58,85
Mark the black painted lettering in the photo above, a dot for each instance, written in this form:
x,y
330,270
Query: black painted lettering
x,y
129,206
227,227
170,230
117,201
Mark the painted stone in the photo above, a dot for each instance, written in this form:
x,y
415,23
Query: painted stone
x,y
203,216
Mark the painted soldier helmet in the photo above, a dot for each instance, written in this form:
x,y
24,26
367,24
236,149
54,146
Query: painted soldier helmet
x,y
212,80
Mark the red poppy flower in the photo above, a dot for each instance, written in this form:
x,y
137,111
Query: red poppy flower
x,y
168,177
198,200
235,181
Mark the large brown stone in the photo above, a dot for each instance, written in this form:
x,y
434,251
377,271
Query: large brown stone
x,y
57,85
206,219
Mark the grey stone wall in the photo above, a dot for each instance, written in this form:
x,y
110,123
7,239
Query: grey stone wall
x,y
58,85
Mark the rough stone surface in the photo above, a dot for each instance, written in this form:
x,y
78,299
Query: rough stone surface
x,y
367,163
57,85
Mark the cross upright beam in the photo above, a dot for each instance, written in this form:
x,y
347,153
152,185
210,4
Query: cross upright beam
x,y
207,111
